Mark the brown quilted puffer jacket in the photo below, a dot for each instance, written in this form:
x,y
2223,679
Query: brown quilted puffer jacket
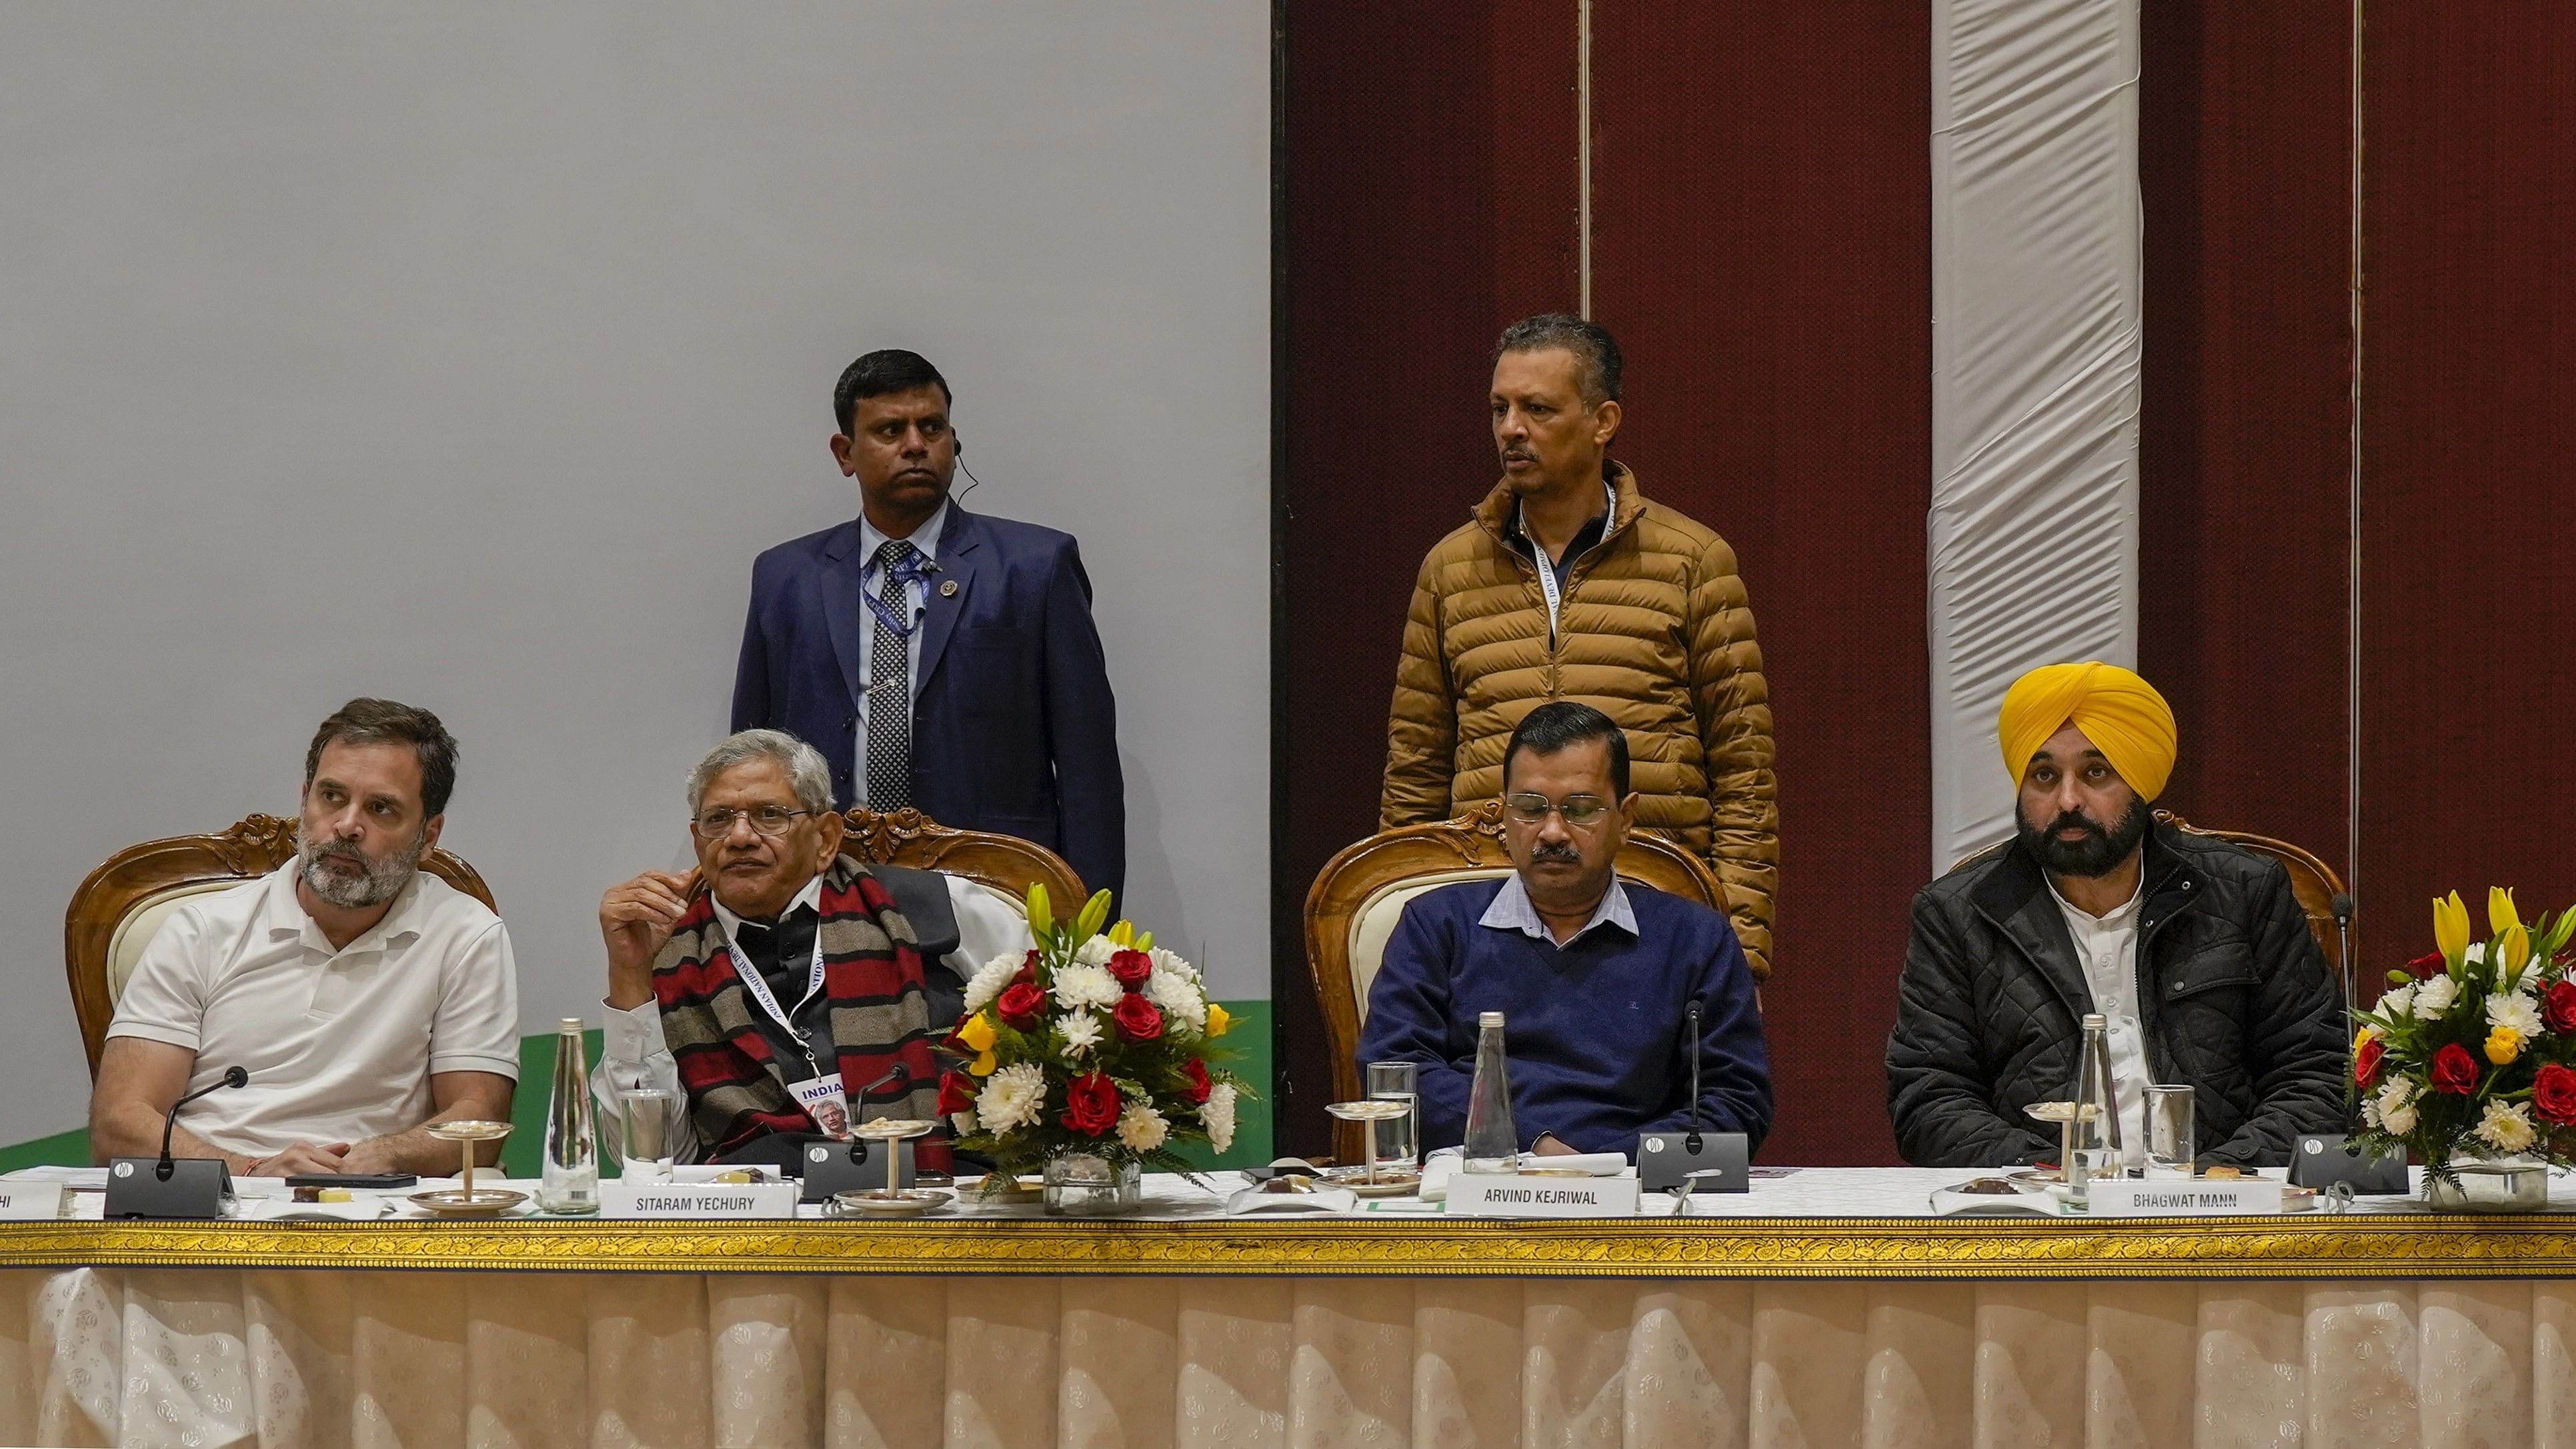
x,y
1657,635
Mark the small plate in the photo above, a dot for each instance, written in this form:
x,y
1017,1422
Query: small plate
x,y
878,1202
484,1202
2035,1179
1390,1182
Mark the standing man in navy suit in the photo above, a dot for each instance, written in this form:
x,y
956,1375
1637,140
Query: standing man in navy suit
x,y
938,658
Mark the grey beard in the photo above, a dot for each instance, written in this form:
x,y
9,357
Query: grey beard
x,y
381,881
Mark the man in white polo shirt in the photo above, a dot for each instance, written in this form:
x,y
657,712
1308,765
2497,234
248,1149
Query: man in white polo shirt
x,y
364,996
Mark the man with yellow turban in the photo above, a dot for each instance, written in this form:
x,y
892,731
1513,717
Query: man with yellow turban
x,y
2194,950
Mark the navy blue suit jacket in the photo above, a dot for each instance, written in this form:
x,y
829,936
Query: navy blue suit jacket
x,y
1013,727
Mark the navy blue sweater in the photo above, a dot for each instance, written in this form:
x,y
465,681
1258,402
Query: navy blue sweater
x,y
1593,1033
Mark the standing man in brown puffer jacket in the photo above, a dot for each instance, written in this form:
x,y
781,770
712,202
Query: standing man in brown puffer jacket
x,y
1568,584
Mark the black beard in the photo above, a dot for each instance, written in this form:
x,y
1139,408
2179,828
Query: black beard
x,y
2097,853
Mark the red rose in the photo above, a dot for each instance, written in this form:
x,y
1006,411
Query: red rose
x,y
1020,1005
1131,968
1196,1085
1090,1104
2455,1071
2365,1063
2553,1092
2423,967
1137,1018
956,1093
1028,971
2558,1006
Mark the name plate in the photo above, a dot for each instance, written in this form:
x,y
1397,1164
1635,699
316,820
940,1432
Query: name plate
x,y
2182,1198
24,1201
697,1200
1501,1195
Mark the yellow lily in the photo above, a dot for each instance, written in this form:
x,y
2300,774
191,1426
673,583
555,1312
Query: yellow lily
x,y
2514,943
978,1034
2503,1045
2501,916
1218,1021
2451,927
1123,934
2362,1038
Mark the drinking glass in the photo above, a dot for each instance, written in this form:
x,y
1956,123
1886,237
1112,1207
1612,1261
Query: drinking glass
x,y
1395,1082
2170,1150
647,1115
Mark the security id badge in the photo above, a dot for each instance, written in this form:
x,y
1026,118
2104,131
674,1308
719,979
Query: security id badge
x,y
823,1101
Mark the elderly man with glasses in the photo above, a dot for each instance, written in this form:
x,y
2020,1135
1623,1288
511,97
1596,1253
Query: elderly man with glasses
x,y
1595,977
781,988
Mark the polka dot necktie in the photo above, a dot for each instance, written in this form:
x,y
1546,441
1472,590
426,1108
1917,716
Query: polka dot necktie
x,y
890,685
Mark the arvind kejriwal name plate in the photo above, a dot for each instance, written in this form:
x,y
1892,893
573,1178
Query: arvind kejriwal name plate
x,y
697,1201
2182,1197
1512,1195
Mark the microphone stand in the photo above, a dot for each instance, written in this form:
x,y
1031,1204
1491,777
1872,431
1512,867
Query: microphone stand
x,y
1691,1143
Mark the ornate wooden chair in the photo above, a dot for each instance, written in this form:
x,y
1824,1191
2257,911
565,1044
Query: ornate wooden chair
x,y
1003,864
116,911
1361,893
2311,880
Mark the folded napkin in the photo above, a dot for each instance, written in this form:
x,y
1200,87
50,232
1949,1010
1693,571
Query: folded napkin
x,y
1252,1200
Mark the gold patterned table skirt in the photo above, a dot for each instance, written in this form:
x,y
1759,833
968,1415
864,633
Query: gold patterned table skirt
x,y
280,1357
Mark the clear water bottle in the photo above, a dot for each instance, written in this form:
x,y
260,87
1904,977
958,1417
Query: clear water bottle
x,y
571,1183
1493,1143
2091,1144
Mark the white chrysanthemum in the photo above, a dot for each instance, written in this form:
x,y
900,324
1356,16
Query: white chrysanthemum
x,y
2395,1105
1142,1128
1079,986
1217,1115
1096,951
1012,1097
1179,997
989,980
2513,1009
1171,961
1081,1030
2434,996
2396,1003
2507,1125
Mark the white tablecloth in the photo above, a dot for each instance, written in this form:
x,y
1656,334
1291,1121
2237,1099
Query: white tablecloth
x,y
282,1357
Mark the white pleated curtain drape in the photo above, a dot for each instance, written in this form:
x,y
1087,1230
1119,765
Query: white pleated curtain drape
x,y
2035,371
288,1359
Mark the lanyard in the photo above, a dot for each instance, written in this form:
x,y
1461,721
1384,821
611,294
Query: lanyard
x,y
912,572
758,985
1547,584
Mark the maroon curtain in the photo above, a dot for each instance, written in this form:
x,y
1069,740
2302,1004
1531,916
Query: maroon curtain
x,y
2468,749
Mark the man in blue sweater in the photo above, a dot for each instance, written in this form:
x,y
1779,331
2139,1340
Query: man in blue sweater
x,y
1593,975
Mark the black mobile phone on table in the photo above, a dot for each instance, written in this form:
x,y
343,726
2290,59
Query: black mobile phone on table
x,y
378,1180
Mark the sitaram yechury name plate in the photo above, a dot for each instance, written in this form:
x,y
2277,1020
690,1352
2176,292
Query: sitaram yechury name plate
x,y
1532,1195
697,1200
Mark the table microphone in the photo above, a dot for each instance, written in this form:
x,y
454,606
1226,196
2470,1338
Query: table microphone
x,y
1672,1161
1691,1143
900,1076
233,1077
2342,907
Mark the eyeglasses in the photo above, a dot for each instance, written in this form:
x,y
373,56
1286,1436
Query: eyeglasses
x,y
1578,810
770,820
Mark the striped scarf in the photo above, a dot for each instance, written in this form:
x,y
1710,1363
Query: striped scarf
x,y
872,986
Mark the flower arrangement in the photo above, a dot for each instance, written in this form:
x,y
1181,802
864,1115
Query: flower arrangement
x,y
1095,1044
2471,1053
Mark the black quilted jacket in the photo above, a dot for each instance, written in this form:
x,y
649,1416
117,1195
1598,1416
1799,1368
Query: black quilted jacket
x,y
2233,994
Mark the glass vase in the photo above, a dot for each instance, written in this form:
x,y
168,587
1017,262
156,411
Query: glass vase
x,y
1080,1185
2491,1185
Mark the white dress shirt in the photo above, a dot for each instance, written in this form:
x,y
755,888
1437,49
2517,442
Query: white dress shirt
x,y
340,1043
2108,947
916,601
633,1053
1513,910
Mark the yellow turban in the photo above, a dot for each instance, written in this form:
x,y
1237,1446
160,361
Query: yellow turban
x,y
2120,713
